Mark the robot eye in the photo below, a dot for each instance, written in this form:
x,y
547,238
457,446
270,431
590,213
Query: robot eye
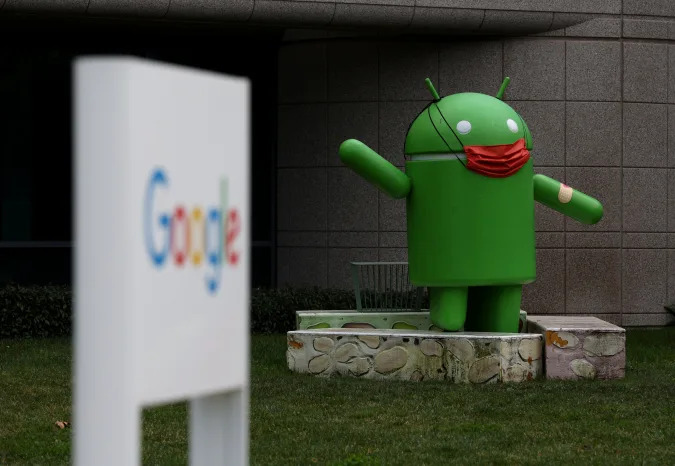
x,y
513,126
464,127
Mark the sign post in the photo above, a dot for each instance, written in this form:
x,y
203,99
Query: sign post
x,y
162,257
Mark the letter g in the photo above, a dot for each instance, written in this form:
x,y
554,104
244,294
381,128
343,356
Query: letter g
x,y
158,256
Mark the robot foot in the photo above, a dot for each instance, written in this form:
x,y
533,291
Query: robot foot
x,y
448,307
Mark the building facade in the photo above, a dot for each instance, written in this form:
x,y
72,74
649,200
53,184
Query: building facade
x,y
595,81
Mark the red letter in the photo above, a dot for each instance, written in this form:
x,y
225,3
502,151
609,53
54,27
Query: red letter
x,y
179,216
232,231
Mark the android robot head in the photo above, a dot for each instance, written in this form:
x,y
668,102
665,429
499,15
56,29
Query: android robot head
x,y
481,129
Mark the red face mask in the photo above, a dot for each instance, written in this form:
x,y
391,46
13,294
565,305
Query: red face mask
x,y
497,161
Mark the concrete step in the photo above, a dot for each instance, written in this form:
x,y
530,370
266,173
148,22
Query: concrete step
x,y
579,347
397,354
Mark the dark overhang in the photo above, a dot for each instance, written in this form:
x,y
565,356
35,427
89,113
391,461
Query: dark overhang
x,y
414,16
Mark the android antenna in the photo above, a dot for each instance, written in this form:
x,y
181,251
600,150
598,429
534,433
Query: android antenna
x,y
432,89
505,83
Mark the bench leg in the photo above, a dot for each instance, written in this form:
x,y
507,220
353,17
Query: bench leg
x,y
494,308
448,306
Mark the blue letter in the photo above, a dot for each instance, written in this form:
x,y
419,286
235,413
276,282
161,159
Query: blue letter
x,y
214,248
158,256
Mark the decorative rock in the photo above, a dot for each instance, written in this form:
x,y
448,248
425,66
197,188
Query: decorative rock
x,y
358,325
529,350
461,349
372,341
415,355
515,374
391,360
603,344
583,368
347,351
319,364
323,344
565,340
484,369
431,348
578,346
404,326
359,366
295,344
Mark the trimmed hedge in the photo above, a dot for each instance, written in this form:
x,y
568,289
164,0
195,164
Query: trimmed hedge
x,y
273,310
35,311
45,311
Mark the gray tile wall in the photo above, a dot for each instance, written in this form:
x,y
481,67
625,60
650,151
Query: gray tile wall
x,y
599,98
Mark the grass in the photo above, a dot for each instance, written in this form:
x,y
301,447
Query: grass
x,y
298,419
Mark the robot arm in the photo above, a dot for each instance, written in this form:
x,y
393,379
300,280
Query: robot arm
x,y
371,166
560,197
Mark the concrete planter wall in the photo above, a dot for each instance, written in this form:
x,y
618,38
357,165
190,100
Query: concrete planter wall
x,y
416,355
556,347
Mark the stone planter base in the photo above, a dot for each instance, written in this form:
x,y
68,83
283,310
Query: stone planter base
x,y
397,354
578,347
309,320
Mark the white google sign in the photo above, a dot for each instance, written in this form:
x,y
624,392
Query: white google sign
x,y
162,257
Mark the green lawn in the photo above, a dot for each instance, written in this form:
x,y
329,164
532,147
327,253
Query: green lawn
x,y
299,419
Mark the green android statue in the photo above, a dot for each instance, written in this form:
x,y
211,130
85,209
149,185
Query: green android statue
x,y
470,190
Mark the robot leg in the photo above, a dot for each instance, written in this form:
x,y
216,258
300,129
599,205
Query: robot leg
x,y
448,306
494,308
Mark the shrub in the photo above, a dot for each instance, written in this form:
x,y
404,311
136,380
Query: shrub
x,y
45,311
35,311
273,310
